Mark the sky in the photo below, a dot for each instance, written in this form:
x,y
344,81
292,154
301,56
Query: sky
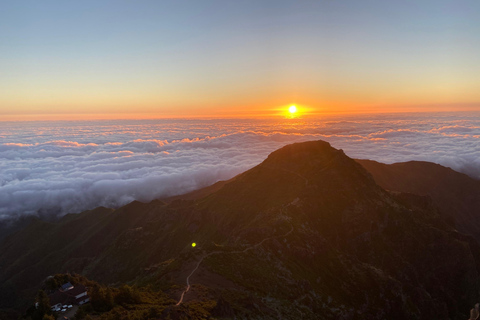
x,y
159,59
50,168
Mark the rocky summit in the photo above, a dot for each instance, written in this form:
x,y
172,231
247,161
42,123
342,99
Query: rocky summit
x,y
307,234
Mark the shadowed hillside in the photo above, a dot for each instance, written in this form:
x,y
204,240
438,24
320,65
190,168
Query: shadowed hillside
x,y
456,194
307,233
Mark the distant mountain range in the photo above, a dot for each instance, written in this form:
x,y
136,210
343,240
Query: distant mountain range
x,y
307,234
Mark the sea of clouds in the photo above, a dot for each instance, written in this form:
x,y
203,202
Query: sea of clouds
x,y
54,168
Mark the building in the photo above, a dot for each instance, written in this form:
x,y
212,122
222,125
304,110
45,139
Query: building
x,y
68,295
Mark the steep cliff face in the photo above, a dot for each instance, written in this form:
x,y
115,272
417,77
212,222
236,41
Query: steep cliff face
x,y
307,233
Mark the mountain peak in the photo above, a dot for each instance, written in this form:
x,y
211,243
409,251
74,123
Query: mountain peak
x,y
306,148
313,152
308,215
319,164
310,172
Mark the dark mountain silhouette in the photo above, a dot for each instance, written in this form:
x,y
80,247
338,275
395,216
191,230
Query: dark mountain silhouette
x,y
9,227
307,233
455,194
198,194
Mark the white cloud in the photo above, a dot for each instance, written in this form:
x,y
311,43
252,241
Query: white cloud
x,y
75,166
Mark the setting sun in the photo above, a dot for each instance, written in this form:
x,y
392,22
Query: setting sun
x,y
296,140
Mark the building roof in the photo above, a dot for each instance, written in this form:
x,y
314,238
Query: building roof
x,y
58,297
76,290
67,297
67,286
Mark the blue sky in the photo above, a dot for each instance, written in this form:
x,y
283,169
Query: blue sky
x,y
216,57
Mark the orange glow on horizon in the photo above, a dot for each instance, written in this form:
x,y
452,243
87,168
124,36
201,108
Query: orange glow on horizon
x,y
246,112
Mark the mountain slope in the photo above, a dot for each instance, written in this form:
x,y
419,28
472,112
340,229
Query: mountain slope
x,y
456,194
305,234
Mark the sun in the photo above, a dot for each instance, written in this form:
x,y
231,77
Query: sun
x,y
291,111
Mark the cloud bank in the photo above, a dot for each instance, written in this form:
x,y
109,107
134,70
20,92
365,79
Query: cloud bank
x,y
56,168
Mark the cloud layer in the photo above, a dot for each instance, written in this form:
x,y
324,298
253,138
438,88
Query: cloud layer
x,y
61,167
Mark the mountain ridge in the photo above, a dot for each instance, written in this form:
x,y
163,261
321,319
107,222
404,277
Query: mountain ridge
x,y
355,250
456,194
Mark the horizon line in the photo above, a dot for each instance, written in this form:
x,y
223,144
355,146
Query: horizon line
x,y
156,116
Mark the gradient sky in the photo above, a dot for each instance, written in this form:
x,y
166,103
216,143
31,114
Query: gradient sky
x,y
227,58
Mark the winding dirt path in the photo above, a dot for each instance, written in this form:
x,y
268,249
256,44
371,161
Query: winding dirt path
x,y
219,252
